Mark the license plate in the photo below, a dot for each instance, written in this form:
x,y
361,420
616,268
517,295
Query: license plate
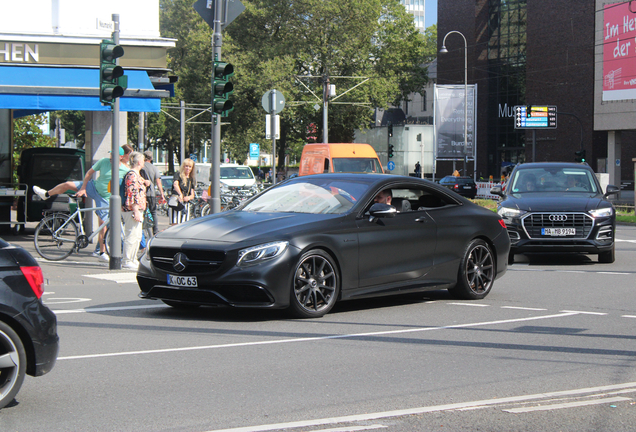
x,y
182,281
558,231
467,187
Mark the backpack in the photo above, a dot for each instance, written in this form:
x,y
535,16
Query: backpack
x,y
122,188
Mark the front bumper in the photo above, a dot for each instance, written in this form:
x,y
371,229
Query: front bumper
x,y
592,236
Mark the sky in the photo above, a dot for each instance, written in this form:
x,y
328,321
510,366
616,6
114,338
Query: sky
x,y
431,12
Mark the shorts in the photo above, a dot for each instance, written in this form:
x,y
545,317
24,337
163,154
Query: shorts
x,y
99,200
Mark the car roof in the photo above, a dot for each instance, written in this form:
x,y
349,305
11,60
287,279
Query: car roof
x,y
552,164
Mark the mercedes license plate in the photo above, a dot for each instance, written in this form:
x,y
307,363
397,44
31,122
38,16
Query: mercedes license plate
x,y
182,281
558,231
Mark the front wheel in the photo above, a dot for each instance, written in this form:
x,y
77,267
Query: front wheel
x,y
56,237
315,286
205,210
476,273
12,364
607,257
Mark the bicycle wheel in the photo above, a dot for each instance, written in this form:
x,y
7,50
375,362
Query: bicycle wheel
x,y
56,237
205,210
107,240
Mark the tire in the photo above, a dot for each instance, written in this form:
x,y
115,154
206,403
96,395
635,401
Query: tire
x,y
476,273
13,364
205,210
107,241
181,305
315,285
607,257
55,243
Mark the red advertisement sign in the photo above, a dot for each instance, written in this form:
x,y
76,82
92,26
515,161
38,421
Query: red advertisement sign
x,y
619,52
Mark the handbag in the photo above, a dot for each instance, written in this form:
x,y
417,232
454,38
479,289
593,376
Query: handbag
x,y
175,204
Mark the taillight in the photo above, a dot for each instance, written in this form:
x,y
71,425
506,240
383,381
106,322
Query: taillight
x,y
502,223
456,186
35,278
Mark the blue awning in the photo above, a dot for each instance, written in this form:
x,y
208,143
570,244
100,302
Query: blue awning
x,y
40,89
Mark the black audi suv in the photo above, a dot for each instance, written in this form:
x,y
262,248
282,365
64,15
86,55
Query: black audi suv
x,y
558,207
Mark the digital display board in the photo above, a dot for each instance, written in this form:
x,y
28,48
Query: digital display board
x,y
535,117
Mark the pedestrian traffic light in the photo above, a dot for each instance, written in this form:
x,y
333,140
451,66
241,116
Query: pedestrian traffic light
x,y
222,88
391,148
390,127
580,156
112,81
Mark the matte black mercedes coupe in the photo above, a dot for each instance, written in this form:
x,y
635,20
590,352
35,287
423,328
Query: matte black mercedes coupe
x,y
313,240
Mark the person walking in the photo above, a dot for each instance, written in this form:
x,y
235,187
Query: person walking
x,y
150,172
132,211
98,189
183,187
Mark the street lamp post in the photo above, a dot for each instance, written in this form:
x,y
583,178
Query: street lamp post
x,y
443,50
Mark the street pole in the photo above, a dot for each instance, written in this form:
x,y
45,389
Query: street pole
x,y
115,200
444,50
182,124
215,168
325,108
272,104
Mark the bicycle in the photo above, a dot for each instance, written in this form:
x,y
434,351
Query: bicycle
x,y
57,235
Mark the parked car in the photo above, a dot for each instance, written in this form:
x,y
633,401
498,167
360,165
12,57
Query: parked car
x,y
28,329
465,186
166,184
237,176
313,240
558,207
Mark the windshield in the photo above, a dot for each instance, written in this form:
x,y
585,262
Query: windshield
x,y
553,179
229,173
356,165
316,196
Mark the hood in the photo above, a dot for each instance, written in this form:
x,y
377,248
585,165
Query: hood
x,y
554,201
240,226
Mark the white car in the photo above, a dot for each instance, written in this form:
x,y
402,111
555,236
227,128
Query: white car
x,y
234,175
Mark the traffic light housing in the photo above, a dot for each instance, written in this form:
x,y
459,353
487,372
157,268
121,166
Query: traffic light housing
x,y
112,81
390,128
391,149
222,88
580,156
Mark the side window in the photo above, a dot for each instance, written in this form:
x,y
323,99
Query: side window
x,y
326,169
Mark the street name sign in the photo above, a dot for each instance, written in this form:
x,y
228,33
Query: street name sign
x,y
535,116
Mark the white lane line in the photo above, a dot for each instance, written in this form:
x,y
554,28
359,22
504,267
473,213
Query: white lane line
x,y
628,316
106,309
584,313
354,428
523,308
567,405
421,410
317,338
625,241
121,277
567,271
470,304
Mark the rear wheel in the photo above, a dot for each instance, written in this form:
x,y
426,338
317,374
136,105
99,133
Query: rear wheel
x,y
476,273
12,364
315,285
607,257
56,237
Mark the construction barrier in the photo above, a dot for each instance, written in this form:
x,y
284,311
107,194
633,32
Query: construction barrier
x,y
483,190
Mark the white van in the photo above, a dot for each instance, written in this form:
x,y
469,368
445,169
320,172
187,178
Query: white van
x,y
234,175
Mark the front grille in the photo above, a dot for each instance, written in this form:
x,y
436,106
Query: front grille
x,y
534,222
198,261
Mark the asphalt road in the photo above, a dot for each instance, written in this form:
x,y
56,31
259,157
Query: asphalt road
x,y
551,348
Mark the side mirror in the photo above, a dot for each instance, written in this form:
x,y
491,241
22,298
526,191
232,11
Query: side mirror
x,y
611,190
379,210
497,191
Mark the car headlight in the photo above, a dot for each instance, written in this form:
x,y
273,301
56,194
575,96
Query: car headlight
x,y
602,212
510,212
257,254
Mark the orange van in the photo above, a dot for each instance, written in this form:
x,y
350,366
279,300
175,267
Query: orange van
x,y
339,158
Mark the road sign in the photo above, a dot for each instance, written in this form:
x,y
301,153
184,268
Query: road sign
x,y
535,117
390,166
255,151
232,9
273,102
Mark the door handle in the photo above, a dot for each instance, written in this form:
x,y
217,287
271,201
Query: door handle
x,y
421,219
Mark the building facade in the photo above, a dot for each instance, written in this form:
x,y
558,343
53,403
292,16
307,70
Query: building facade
x,y
519,53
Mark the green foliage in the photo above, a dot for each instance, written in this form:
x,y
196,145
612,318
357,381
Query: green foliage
x,y
27,134
74,123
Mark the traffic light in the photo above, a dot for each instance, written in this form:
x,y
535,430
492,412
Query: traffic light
x,y
390,126
580,156
391,148
112,81
222,88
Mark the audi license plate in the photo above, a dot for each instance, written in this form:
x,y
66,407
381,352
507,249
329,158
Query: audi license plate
x,y
182,281
558,231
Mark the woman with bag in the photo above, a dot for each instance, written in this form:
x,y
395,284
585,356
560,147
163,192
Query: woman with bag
x,y
182,192
132,210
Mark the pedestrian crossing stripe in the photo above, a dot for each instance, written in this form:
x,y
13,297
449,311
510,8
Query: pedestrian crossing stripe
x,y
119,277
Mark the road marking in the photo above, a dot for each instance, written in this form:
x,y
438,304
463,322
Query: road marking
x,y
106,309
567,405
317,338
470,304
628,316
566,271
60,300
584,313
120,277
423,410
354,428
523,308
625,241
